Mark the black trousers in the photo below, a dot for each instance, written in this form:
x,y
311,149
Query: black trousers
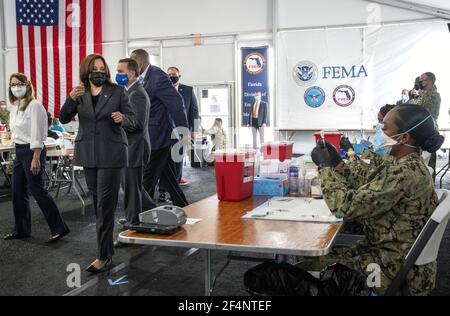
x,y
136,198
162,168
179,166
104,184
23,180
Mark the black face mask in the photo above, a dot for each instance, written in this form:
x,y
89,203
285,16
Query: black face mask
x,y
98,78
175,80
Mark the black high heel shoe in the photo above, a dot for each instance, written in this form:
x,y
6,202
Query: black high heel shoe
x,y
57,238
14,236
106,267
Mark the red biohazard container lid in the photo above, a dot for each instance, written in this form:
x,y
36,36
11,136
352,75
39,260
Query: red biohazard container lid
x,y
234,155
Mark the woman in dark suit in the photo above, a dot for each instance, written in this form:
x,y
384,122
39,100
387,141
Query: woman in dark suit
x,y
101,145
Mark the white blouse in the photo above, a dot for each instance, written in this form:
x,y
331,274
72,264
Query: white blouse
x,y
29,126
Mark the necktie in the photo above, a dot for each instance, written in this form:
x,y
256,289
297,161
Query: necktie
x,y
256,110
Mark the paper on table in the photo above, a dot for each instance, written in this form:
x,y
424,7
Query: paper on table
x,y
294,209
192,221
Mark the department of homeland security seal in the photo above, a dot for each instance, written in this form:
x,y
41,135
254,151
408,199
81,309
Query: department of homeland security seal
x,y
305,73
315,97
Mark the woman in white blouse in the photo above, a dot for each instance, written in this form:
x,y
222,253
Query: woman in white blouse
x,y
28,123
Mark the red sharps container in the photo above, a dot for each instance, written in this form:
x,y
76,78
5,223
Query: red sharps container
x,y
235,172
279,151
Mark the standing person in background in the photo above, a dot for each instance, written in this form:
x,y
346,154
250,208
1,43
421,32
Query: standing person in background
x,y
7,157
218,136
101,145
51,133
4,113
405,97
29,127
191,108
259,119
430,99
166,113
136,198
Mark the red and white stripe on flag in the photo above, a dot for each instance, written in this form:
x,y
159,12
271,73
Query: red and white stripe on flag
x,y
53,37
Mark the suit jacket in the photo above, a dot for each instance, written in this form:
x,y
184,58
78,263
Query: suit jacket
x,y
263,114
100,142
190,104
138,136
401,102
167,110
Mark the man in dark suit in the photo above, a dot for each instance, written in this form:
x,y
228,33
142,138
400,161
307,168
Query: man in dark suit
x,y
191,107
259,119
405,97
136,198
166,113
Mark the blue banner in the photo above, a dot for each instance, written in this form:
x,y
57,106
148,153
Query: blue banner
x,y
255,87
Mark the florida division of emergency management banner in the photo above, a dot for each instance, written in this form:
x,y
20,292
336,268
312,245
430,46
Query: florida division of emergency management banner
x,y
255,84
340,78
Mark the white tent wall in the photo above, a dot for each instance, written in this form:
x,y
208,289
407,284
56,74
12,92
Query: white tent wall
x,y
164,19
393,57
202,64
160,21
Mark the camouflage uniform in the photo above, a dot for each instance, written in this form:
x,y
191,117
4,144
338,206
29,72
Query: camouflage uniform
x,y
430,100
4,116
375,159
393,204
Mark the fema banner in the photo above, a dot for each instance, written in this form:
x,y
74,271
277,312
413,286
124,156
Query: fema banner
x,y
255,85
340,78
324,81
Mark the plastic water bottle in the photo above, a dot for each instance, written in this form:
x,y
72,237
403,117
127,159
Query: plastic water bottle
x,y
258,158
293,179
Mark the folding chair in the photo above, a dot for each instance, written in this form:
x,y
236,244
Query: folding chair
x,y
426,248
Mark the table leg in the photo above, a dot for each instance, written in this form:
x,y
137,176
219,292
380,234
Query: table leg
x,y
208,272
5,173
447,169
281,258
74,183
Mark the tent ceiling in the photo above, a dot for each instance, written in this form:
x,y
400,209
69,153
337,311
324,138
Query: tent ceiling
x,y
437,8
439,4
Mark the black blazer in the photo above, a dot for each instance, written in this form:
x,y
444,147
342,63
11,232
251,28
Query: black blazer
x,y
138,136
167,110
263,114
100,142
190,104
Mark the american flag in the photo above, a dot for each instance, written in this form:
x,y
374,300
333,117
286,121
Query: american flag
x,y
53,37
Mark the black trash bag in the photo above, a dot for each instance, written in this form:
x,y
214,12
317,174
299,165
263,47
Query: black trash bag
x,y
280,279
339,280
